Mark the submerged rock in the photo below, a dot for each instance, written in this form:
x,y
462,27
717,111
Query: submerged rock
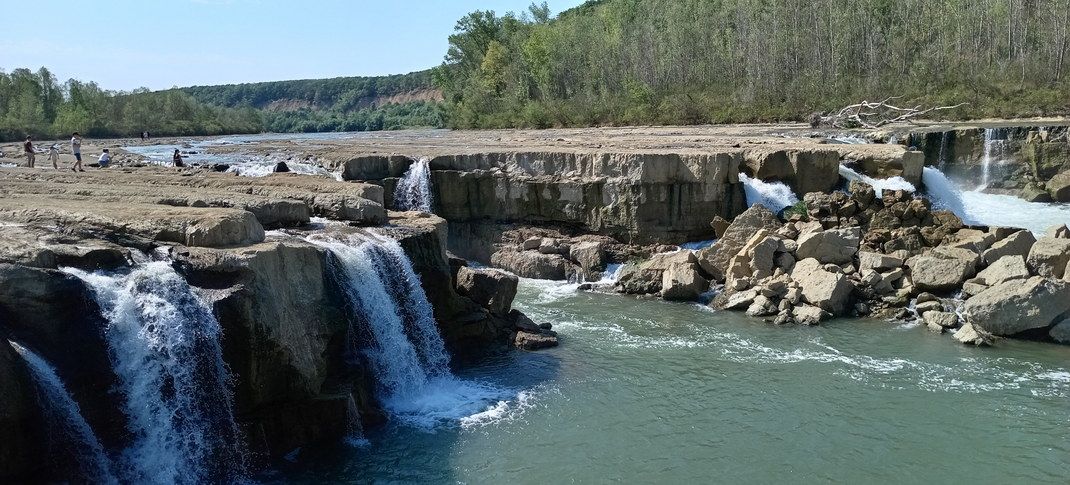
x,y
492,289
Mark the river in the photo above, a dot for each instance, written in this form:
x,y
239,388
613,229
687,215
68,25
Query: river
x,y
648,391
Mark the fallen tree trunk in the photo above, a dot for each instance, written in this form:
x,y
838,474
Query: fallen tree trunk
x,y
874,114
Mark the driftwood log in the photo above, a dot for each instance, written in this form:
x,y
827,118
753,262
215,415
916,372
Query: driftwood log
x,y
873,114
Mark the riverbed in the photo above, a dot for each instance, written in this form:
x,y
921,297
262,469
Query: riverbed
x,y
645,391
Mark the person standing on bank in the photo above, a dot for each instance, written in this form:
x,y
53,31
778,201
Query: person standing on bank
x,y
177,158
76,147
53,156
30,155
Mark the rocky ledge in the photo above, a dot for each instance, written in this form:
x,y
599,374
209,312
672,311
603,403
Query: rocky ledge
x,y
282,314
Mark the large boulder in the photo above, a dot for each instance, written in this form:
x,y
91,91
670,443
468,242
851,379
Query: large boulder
x,y
1006,269
757,258
683,282
533,264
646,277
1015,306
1059,187
492,289
1018,244
836,246
943,268
1048,256
714,259
1058,231
590,256
878,261
825,289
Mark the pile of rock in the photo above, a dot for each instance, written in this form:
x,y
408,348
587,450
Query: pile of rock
x,y
858,254
494,290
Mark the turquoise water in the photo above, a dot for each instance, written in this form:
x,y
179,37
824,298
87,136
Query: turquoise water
x,y
644,391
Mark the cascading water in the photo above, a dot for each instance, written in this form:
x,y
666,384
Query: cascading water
x,y
773,195
993,151
879,185
413,192
63,412
941,158
405,350
977,207
164,346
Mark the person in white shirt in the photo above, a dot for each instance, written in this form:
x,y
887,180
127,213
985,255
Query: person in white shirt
x,y
76,147
53,155
105,159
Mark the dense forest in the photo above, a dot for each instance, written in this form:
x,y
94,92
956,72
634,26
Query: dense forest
x,y
613,62
714,61
337,104
36,104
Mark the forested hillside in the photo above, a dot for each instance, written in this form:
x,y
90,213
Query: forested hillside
x,y
337,104
711,61
36,104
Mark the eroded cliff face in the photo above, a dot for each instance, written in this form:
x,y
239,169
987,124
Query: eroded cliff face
x,y
285,321
636,197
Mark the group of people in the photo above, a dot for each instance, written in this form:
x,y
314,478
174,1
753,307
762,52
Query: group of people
x,y
76,148
53,154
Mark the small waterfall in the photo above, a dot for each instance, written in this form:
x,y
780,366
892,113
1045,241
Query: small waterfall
x,y
993,152
63,412
773,195
879,185
413,192
406,352
977,207
941,157
164,345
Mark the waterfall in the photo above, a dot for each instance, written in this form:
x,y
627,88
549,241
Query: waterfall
x,y
977,207
879,185
993,151
63,412
941,157
773,195
164,346
406,351
413,192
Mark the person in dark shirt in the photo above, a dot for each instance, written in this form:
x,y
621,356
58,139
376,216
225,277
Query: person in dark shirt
x,y
30,155
177,158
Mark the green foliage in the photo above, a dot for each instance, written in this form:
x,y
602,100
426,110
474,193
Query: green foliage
x,y
35,104
715,61
800,209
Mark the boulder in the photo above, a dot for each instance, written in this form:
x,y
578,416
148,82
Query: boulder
x,y
1059,231
1048,256
532,264
1018,243
837,246
1005,269
1015,306
941,319
943,268
826,290
877,261
971,335
590,256
1059,187
714,259
973,239
535,341
646,277
804,170
809,315
1060,332
492,289
683,282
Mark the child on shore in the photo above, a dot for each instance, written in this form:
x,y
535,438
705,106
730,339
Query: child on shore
x,y
53,155
105,159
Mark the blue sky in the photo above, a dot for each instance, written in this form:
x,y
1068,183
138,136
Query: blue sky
x,y
125,44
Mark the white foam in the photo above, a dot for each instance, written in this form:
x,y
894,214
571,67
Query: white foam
x,y
773,195
879,185
976,207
